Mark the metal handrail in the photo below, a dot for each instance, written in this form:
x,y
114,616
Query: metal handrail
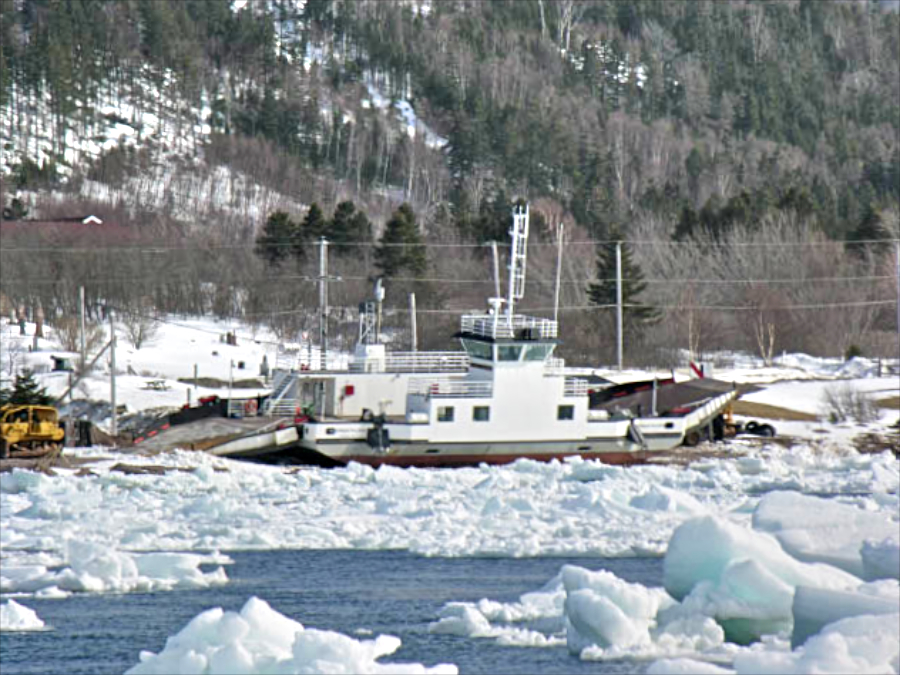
x,y
413,362
518,326
450,388
575,386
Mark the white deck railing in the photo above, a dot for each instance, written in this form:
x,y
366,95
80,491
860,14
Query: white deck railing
x,y
413,362
450,388
575,386
518,326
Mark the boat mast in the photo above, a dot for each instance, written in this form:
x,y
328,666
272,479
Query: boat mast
x,y
517,257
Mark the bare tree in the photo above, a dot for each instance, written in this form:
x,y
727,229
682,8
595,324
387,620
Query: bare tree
x,y
140,326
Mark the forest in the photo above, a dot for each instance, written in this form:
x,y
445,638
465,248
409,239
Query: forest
x,y
745,153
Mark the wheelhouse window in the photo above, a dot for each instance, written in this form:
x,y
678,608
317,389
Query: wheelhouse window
x,y
509,352
537,352
565,412
478,350
481,413
445,413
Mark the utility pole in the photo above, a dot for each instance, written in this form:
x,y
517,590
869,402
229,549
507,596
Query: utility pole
x,y
323,280
619,300
414,340
560,232
323,302
897,245
81,309
113,427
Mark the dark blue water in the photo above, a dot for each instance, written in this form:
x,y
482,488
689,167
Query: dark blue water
x,y
387,592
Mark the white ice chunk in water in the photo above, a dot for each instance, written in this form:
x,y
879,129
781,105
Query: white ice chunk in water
x,y
604,610
259,639
812,529
16,617
861,644
741,577
881,559
814,608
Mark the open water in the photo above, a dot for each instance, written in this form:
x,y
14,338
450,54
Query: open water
x,y
386,592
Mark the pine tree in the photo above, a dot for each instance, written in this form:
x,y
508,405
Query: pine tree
x,y
870,228
400,247
603,291
348,225
313,228
278,239
27,391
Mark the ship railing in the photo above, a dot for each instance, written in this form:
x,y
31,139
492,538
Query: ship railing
x,y
575,386
450,388
554,367
518,327
413,362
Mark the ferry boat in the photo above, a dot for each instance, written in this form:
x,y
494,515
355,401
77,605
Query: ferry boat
x,y
514,400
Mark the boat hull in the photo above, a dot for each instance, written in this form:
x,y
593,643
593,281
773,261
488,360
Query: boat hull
x,y
405,454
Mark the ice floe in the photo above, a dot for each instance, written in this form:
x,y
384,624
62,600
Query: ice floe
x,y
16,617
259,639
732,595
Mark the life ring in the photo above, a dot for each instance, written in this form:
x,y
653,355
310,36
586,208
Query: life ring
x,y
251,406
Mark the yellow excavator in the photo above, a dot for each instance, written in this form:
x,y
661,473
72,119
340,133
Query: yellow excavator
x,y
29,430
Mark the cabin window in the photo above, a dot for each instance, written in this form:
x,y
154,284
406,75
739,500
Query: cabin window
x,y
445,413
537,352
565,412
478,350
508,352
481,413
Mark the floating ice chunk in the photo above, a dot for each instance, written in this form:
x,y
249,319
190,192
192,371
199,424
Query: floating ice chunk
x,y
862,644
95,569
741,577
814,608
458,618
16,617
812,529
881,559
686,667
702,548
606,611
659,498
259,639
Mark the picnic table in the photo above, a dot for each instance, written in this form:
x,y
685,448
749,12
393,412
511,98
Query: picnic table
x,y
156,385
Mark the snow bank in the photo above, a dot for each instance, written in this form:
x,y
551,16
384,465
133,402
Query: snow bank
x,y
16,617
93,568
258,639
812,529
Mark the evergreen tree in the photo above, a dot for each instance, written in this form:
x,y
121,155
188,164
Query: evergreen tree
x,y
347,226
870,228
400,247
603,291
313,228
279,238
26,391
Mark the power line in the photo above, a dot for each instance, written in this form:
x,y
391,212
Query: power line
x,y
159,249
132,280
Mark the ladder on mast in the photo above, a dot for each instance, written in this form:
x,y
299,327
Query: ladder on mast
x,y
517,258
